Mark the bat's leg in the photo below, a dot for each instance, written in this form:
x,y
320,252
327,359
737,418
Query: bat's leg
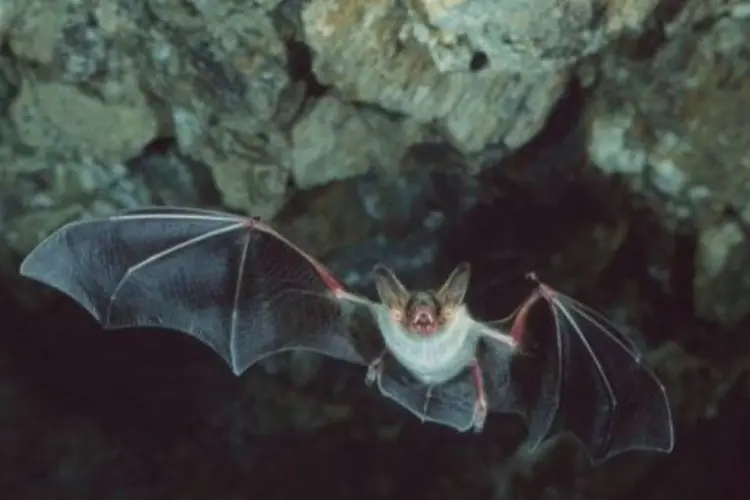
x,y
375,369
427,399
480,404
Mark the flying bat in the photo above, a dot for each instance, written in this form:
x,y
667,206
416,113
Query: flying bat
x,y
247,292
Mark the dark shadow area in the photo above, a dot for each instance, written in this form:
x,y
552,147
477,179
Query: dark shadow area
x,y
129,379
300,69
158,404
478,62
153,414
542,204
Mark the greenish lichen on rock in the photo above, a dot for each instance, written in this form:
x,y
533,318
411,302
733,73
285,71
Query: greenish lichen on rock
x,y
46,114
676,126
358,49
226,83
336,140
523,36
248,175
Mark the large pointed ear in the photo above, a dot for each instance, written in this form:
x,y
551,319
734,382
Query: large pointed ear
x,y
454,289
392,293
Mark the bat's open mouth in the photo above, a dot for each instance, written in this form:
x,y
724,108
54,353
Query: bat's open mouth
x,y
423,321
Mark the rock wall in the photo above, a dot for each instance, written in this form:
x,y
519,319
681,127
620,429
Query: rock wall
x,y
604,141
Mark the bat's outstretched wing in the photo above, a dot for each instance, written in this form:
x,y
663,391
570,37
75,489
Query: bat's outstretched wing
x,y
450,403
231,282
591,382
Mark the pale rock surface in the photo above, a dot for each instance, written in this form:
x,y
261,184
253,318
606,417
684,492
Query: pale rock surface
x,y
358,49
677,127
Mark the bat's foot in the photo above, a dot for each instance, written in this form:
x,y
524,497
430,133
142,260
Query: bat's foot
x,y
480,404
374,370
480,415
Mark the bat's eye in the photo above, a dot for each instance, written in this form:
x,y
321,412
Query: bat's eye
x,y
397,315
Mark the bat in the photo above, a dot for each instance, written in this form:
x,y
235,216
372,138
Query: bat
x,y
245,291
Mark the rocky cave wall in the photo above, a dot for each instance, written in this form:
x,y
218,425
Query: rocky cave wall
x,y
603,141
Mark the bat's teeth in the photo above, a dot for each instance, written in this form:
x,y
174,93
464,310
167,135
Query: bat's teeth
x,y
424,321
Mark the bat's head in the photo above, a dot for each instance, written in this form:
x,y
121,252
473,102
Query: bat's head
x,y
423,312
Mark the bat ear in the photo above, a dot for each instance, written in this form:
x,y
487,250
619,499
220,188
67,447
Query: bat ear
x,y
454,289
392,293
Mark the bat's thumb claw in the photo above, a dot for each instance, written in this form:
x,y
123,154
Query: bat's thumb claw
x,y
480,416
373,372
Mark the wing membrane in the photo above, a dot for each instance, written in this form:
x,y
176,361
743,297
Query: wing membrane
x,y
612,401
520,383
582,376
450,403
231,282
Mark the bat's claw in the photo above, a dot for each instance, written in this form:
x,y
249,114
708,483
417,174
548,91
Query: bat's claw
x,y
374,370
480,415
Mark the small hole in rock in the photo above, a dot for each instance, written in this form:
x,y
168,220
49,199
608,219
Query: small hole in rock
x,y
478,61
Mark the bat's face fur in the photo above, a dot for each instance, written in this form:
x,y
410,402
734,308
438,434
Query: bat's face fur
x,y
422,314
425,312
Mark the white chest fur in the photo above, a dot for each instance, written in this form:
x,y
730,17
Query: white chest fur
x,y
434,359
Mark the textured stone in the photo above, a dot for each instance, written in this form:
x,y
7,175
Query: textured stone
x,y
51,189
696,384
722,279
234,67
246,174
358,49
34,35
225,85
676,126
46,114
336,140
10,11
520,35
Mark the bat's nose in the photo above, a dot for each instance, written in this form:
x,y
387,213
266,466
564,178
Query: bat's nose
x,y
423,316
423,320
